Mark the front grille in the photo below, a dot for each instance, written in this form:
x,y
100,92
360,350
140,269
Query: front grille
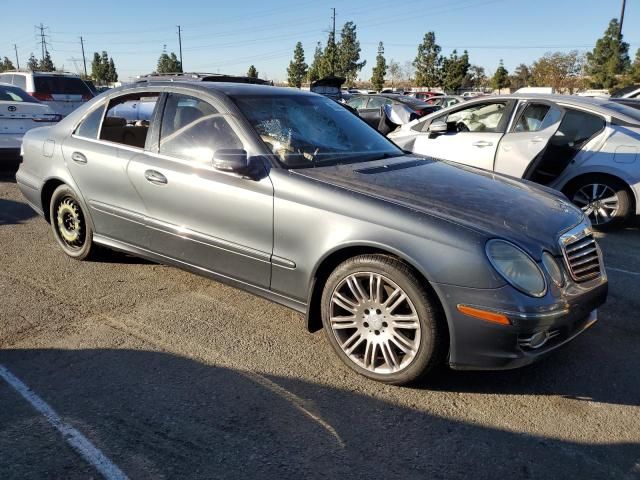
x,y
582,257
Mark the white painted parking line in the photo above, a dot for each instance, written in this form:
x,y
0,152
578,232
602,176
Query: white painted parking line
x,y
620,270
73,437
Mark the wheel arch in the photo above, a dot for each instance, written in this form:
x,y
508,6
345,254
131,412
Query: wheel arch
x,y
49,186
335,257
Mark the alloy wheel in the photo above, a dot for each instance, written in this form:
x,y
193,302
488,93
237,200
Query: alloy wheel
x,y
598,201
70,223
374,322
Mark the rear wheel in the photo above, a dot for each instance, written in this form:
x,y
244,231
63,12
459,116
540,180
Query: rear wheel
x,y
71,228
381,321
605,200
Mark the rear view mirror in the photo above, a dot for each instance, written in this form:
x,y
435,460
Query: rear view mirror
x,y
231,160
438,128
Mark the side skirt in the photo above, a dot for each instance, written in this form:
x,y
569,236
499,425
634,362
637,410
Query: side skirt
x,y
296,305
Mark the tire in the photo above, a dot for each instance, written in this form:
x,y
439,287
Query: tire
x,y
373,329
589,194
72,229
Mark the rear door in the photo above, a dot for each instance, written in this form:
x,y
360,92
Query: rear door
x,y
535,124
371,113
62,93
474,132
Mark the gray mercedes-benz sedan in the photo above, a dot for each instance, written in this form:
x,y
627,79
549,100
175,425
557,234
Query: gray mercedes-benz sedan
x,y
407,262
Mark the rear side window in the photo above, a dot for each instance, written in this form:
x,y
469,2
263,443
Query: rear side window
x,y
6,78
377,102
127,119
357,102
13,94
88,128
193,130
60,85
578,127
20,81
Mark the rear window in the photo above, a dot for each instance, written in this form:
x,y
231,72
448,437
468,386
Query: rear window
x,y
60,85
13,94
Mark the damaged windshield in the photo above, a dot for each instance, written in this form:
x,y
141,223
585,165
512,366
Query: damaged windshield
x,y
306,131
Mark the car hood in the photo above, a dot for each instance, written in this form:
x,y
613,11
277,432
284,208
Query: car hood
x,y
493,204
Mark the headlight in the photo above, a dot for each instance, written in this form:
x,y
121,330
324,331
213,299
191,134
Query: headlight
x,y
553,269
517,268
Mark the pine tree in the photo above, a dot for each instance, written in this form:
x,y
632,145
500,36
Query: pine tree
x,y
175,64
6,64
380,70
168,63
348,54
454,71
634,73
97,69
252,72
521,77
329,64
500,79
46,64
297,70
428,62
32,63
113,73
609,58
314,70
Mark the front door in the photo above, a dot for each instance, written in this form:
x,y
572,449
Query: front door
x,y
473,134
205,218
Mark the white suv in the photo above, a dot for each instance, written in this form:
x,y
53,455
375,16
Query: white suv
x,y
63,92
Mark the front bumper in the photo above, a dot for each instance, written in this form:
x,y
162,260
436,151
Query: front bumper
x,y
479,345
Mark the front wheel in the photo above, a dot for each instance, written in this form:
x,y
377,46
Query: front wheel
x,y
606,201
71,227
381,321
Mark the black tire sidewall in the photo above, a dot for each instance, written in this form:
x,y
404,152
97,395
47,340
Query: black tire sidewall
x,y
81,253
624,199
428,353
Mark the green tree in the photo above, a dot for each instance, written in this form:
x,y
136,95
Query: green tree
x,y
297,70
328,65
32,63
348,54
476,78
112,72
168,63
559,70
6,64
314,70
428,62
634,72
46,64
97,69
395,72
454,71
252,72
380,69
609,58
521,77
500,79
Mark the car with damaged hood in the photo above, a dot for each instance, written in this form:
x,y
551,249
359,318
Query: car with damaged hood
x,y
585,147
406,262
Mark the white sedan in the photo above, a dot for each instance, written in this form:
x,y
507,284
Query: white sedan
x,y
584,147
19,113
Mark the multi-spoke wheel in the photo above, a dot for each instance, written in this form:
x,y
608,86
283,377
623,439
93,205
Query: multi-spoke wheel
x,y
381,320
70,226
604,200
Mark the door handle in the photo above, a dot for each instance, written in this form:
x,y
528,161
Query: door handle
x,y
482,144
155,177
78,157
537,140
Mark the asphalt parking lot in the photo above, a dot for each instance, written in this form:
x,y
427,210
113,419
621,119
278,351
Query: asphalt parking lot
x,y
170,375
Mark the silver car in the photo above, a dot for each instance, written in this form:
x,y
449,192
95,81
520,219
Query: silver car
x,y
290,196
584,147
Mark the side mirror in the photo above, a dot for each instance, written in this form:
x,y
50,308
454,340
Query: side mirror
x,y
231,160
437,128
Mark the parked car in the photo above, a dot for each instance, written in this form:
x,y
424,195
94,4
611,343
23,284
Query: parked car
x,y
200,77
19,113
629,102
425,95
370,109
63,92
444,101
286,194
632,91
585,147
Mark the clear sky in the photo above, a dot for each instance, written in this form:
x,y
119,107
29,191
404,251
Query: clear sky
x,y
228,36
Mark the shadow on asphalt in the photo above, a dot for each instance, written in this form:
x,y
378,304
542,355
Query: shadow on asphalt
x,y
157,415
14,213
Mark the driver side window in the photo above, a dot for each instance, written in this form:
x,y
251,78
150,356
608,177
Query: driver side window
x,y
484,117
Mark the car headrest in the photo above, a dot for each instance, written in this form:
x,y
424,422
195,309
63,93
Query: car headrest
x,y
114,122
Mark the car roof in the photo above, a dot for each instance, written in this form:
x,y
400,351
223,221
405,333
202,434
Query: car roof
x,y
226,88
40,74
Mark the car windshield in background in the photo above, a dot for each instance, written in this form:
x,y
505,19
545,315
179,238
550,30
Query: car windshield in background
x,y
13,94
624,109
412,102
60,85
307,131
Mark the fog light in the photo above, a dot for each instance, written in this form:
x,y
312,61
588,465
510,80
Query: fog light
x,y
538,339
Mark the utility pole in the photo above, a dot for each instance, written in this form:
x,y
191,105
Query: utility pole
x,y
43,39
84,59
15,47
624,4
333,55
180,46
